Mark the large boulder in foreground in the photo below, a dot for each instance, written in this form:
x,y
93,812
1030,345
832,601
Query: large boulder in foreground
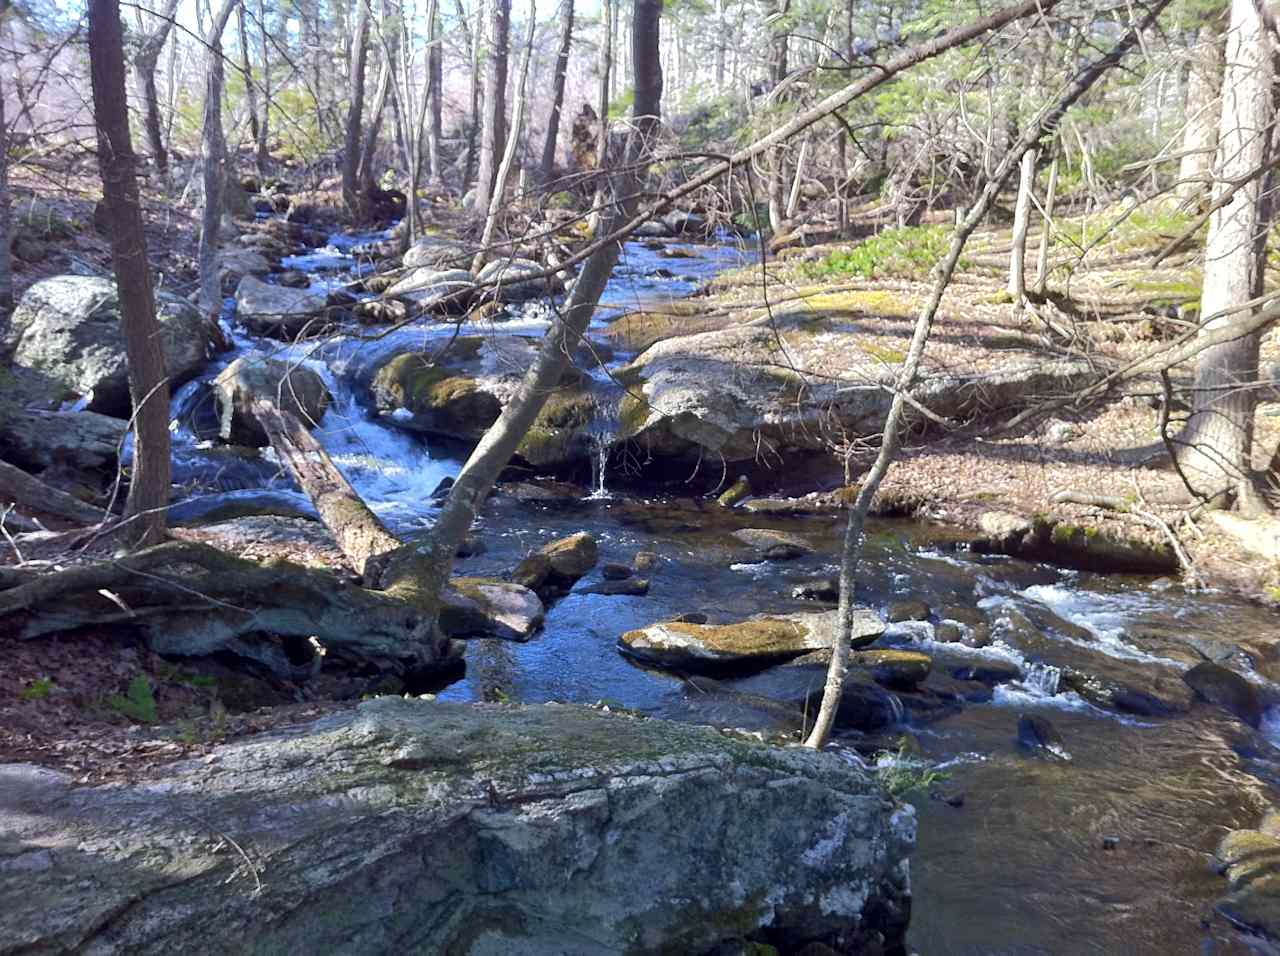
x,y
292,388
410,826
68,329
82,441
758,641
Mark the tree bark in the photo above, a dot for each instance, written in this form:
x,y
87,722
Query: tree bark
x,y
605,68
6,215
1042,258
435,64
494,133
547,166
1045,121
473,128
1021,223
775,12
1202,115
354,196
262,155
144,65
214,156
246,67
494,212
148,383
368,152
1217,442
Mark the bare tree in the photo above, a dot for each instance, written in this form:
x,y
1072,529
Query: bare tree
x,y
148,385
144,66
6,216
1217,443
494,133
557,94
354,196
1021,223
1203,113
246,68
214,150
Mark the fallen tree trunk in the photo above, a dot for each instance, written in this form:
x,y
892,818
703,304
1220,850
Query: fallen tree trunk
x,y
17,487
190,600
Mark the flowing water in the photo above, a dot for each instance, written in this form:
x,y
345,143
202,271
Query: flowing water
x,y
1105,852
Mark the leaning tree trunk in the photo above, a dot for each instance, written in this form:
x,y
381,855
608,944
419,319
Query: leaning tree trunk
x,y
1216,444
214,149
1202,115
354,196
1021,224
891,436
148,385
368,152
144,65
425,574
547,166
494,133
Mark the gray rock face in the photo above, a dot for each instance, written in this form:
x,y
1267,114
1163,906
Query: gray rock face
x,y
292,388
68,329
416,827
277,310
36,440
235,264
513,282
434,252
434,290
722,392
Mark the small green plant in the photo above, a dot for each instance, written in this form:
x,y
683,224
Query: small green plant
x,y
138,703
909,252
38,689
902,773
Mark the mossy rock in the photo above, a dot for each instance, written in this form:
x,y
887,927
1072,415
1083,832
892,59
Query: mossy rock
x,y
557,435
438,400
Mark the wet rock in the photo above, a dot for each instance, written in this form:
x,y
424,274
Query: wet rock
x,y
581,831
616,572
380,311
418,394
1250,860
893,668
316,207
1159,696
1004,529
293,279
437,252
691,617
81,441
557,566
478,607
910,610
1071,545
235,264
434,290
67,328
826,590
517,280
756,641
471,546
645,561
736,492
864,706
774,545
442,490
1036,734
653,229
988,672
629,587
277,311
1226,689
251,378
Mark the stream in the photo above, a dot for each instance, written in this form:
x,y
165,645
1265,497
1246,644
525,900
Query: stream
x,y
1104,852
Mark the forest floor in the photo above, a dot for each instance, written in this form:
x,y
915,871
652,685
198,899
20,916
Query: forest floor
x,y
1107,305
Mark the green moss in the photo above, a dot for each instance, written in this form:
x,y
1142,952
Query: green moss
x,y
633,414
883,353
873,302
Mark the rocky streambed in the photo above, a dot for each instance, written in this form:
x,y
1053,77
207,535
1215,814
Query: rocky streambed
x,y
1074,745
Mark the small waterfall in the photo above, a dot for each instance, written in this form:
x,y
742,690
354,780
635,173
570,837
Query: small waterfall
x,y
600,437
1043,678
